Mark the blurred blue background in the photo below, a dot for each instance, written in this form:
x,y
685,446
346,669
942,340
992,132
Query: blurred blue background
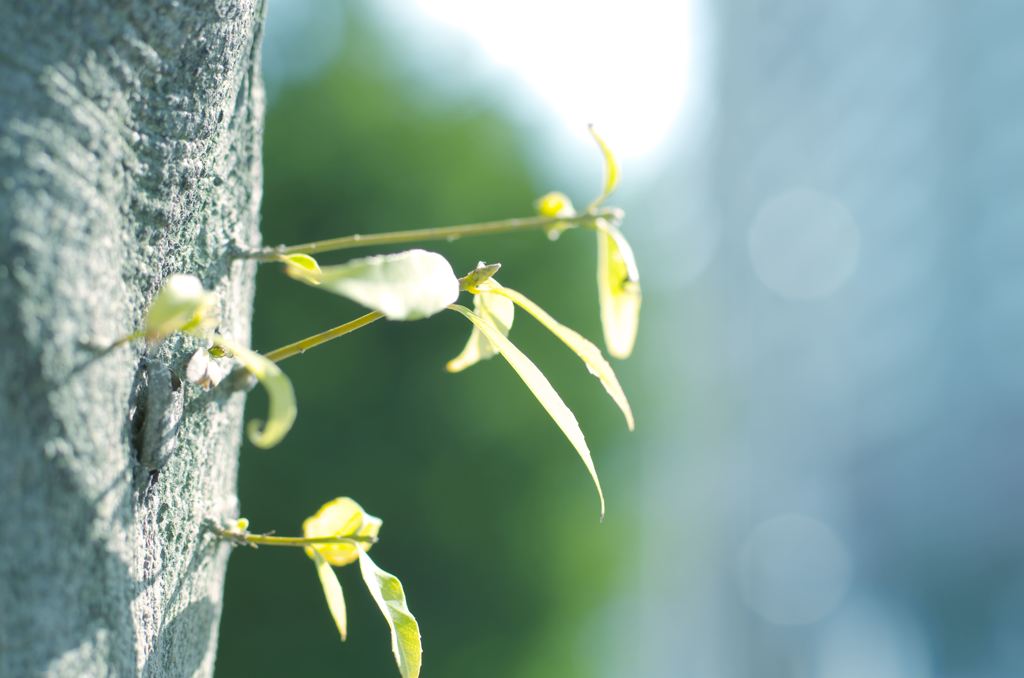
x,y
825,203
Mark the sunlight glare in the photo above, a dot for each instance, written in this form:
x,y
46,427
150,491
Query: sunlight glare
x,y
622,66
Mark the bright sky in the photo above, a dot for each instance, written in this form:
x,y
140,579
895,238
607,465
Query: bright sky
x,y
623,66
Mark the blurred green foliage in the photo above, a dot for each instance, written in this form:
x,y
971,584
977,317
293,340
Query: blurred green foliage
x,y
489,518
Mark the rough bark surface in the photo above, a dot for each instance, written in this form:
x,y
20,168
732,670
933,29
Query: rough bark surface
x,y
129,150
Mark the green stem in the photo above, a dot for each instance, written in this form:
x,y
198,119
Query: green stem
x,y
139,334
301,346
439,233
270,540
299,542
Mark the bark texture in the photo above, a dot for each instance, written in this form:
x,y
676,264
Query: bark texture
x,y
129,150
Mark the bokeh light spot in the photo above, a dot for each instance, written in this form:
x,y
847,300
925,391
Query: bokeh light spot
x,y
793,570
804,244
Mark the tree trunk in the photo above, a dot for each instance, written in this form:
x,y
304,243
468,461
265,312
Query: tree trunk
x,y
129,150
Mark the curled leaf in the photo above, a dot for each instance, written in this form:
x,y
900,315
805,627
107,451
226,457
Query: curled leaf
x,y
611,168
301,267
281,411
180,304
588,353
405,286
387,592
618,290
332,592
495,309
541,389
340,517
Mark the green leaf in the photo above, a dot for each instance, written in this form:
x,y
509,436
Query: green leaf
x,y
340,517
479,275
281,411
332,592
180,304
405,286
541,389
301,267
387,592
588,353
611,169
500,312
618,290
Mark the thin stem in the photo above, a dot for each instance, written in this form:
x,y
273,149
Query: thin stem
x,y
138,334
269,540
298,542
301,346
439,233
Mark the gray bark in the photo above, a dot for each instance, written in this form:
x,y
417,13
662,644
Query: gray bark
x,y
129,150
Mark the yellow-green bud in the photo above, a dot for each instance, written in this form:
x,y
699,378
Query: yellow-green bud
x,y
179,302
555,204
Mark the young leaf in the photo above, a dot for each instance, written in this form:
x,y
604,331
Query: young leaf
x,y
405,286
280,394
618,290
588,353
500,312
205,370
387,592
301,267
332,592
178,305
479,275
340,517
611,169
541,389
